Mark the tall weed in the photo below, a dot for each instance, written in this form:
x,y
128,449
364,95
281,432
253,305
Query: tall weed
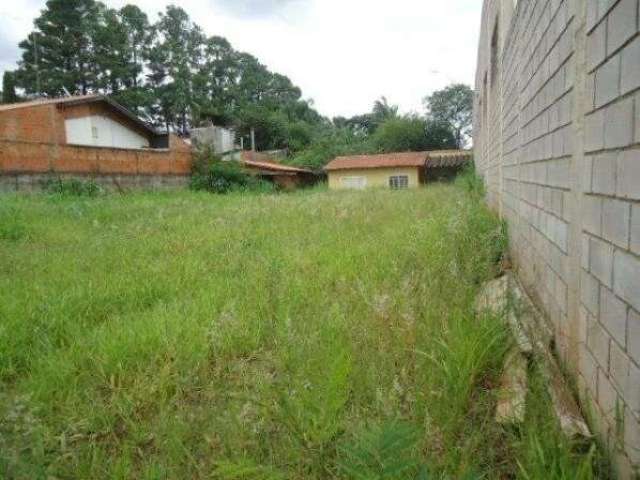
x,y
314,335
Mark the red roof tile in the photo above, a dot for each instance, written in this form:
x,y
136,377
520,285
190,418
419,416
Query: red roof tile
x,y
405,159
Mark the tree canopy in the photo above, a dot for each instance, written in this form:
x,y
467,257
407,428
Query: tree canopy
x,y
380,131
412,134
9,88
453,106
168,72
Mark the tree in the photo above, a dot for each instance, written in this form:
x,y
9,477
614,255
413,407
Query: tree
x,y
168,72
174,59
215,81
329,143
110,50
438,136
9,88
412,134
271,127
59,54
123,45
361,125
299,136
454,106
139,35
382,111
400,135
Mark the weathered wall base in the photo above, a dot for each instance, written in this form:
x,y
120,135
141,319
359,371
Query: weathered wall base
x,y
34,182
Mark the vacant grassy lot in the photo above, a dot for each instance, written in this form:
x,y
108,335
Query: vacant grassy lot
x,y
305,336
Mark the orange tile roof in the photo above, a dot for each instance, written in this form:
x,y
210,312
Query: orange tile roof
x,y
431,159
406,159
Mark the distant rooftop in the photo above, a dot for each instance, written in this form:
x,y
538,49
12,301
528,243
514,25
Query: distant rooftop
x,y
50,101
264,161
430,159
79,100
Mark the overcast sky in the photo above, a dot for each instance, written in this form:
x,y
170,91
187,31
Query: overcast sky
x,y
344,54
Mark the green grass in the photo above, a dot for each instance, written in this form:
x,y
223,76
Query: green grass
x,y
312,335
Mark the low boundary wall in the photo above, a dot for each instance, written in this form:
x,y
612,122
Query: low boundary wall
x,y
24,166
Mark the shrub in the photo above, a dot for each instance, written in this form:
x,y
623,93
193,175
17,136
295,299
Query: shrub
x,y
72,187
212,174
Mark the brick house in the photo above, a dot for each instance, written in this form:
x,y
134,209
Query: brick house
x,y
88,136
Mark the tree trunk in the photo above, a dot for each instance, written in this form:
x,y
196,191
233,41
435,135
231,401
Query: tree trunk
x,y
184,123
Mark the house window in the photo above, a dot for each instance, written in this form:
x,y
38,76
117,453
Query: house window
x,y
357,183
399,181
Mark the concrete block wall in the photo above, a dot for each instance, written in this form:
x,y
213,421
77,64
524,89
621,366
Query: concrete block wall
x,y
557,140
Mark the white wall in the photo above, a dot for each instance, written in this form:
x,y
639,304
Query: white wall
x,y
221,139
99,131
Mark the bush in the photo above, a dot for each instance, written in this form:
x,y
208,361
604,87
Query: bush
x,y
72,187
212,174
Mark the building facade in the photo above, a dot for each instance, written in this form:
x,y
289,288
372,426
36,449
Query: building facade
x,y
221,140
359,179
86,137
394,170
557,141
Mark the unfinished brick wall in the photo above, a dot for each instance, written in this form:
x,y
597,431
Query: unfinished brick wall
x,y
41,123
21,162
33,148
557,140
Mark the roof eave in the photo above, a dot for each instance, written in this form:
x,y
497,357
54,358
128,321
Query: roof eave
x,y
371,167
121,109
